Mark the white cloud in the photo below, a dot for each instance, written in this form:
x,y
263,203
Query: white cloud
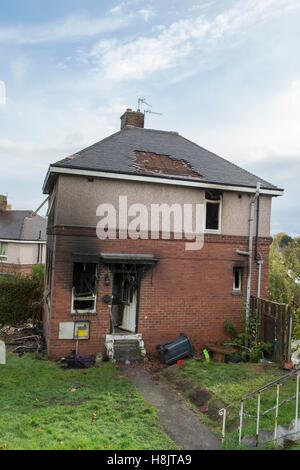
x,y
169,45
146,55
20,67
203,6
270,130
2,92
147,13
125,4
74,26
117,9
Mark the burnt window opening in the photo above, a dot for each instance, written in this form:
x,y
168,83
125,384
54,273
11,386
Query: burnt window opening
x,y
160,164
84,287
213,201
237,279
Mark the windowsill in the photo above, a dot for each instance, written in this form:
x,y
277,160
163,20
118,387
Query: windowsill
x,y
83,312
237,293
210,231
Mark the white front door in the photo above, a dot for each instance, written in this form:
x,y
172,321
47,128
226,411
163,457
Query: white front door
x,y
129,316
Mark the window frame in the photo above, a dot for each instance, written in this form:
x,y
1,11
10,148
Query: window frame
x,y
239,289
220,203
83,298
4,258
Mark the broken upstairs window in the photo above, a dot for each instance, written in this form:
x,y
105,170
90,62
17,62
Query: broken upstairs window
x,y
84,287
213,201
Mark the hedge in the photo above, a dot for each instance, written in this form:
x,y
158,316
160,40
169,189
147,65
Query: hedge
x,y
21,297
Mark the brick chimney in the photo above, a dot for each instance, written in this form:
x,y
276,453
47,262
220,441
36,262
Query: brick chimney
x,y
132,119
3,203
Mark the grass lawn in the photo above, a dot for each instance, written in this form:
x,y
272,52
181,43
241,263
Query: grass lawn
x,y
45,407
208,387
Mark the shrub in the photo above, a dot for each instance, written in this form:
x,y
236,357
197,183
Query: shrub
x,y
255,350
296,324
21,297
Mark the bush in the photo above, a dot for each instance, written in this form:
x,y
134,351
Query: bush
x,y
296,324
21,297
255,350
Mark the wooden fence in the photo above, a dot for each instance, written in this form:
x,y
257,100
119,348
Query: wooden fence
x,y
273,325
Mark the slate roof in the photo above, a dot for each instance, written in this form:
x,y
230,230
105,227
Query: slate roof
x,y
116,154
20,225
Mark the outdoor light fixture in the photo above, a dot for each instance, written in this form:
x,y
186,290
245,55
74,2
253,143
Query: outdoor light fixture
x,y
107,280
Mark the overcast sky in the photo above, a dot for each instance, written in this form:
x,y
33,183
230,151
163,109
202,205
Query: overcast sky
x,y
224,73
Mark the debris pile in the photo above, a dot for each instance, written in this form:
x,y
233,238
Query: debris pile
x,y
75,361
24,338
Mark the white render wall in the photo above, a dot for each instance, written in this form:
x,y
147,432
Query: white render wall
x,y
77,201
24,253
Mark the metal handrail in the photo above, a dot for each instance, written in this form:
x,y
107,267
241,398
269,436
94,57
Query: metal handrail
x,y
278,383
280,380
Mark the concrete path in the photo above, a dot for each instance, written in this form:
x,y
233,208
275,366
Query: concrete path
x,y
178,420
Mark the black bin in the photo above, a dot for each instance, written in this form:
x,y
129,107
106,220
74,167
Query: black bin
x,y
178,349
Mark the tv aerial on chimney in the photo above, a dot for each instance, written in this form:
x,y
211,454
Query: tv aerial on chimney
x,y
142,101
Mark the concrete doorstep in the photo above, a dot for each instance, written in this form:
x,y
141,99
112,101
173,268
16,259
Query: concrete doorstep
x,y
180,422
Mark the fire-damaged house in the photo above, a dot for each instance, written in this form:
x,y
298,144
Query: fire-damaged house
x,y
123,293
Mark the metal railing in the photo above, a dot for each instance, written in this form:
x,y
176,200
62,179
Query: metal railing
x,y
275,384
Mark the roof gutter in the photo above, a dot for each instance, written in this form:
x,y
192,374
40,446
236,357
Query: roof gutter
x,y
153,179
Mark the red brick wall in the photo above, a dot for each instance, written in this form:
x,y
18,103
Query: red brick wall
x,y
25,269
187,291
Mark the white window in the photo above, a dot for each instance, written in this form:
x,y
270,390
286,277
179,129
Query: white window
x,y
213,203
3,251
237,279
84,288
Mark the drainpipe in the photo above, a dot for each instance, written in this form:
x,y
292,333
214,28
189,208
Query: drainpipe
x,y
259,262
257,229
258,256
249,253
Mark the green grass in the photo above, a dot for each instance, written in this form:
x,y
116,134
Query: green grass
x,y
228,383
45,407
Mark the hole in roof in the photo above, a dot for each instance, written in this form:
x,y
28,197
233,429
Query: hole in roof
x,y
160,164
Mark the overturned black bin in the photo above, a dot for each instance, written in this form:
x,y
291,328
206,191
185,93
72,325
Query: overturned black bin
x,y
180,348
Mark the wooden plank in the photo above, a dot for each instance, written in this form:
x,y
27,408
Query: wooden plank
x,y
273,319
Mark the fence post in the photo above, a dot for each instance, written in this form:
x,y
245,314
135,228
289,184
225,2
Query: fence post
x,y
297,402
241,421
257,419
276,411
290,316
223,413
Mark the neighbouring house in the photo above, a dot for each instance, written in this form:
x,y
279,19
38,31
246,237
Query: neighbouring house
x,y
22,239
119,292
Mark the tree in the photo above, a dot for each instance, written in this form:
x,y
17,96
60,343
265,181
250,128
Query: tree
x,y
284,276
281,285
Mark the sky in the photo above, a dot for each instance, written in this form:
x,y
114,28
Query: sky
x,y
223,73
